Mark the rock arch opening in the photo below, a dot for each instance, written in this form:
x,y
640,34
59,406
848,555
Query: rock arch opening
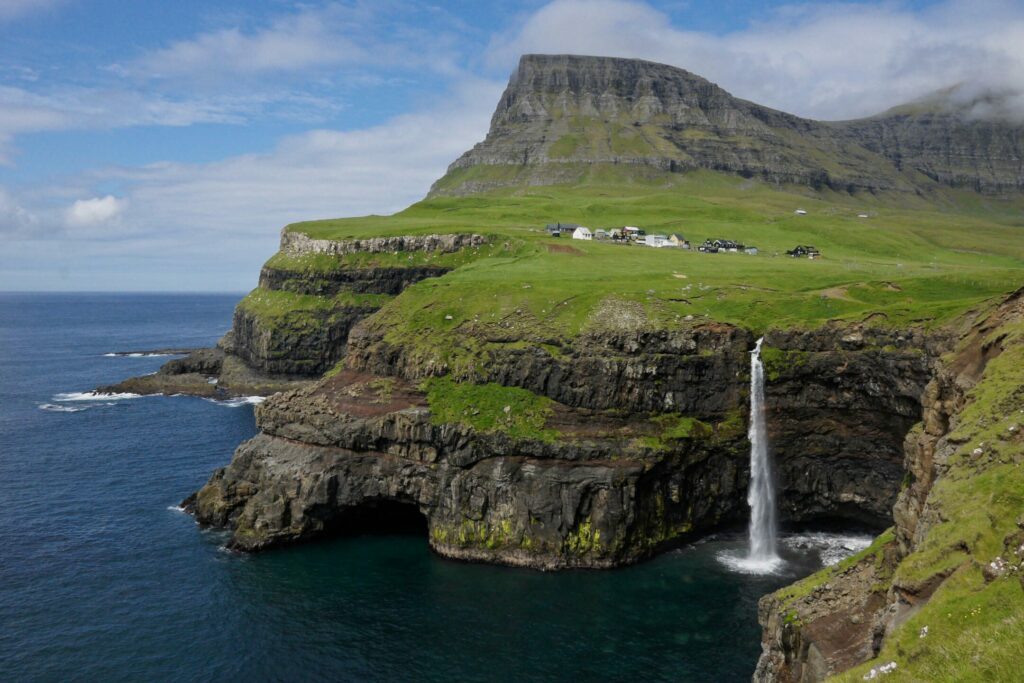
x,y
379,517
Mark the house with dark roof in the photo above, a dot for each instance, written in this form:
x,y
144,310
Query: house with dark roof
x,y
802,250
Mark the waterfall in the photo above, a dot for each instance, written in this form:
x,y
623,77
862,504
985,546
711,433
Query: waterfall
x,y
761,494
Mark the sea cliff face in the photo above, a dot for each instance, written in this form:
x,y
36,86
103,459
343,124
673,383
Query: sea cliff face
x,y
956,537
639,442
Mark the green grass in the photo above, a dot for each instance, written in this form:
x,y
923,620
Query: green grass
x,y
873,553
914,263
489,408
278,309
975,632
922,263
322,264
975,626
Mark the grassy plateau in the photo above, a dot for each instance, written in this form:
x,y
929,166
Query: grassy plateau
x,y
913,260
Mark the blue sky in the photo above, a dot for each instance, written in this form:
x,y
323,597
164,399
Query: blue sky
x,y
161,146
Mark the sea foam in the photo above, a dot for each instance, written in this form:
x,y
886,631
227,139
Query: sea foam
x,y
92,396
238,402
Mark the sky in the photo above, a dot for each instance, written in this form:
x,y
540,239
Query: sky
x,y
157,146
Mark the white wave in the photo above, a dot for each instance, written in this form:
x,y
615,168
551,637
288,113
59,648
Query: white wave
x,y
738,561
62,409
142,354
831,548
176,508
238,402
92,396
58,408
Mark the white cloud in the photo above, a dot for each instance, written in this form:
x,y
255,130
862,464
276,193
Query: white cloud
x,y
222,219
825,61
377,36
294,42
88,213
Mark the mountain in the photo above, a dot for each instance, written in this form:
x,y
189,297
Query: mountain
x,y
563,118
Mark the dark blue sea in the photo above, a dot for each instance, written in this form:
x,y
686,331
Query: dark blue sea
x,y
103,579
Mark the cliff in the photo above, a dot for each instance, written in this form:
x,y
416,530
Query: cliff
x,y
939,595
563,117
597,455
547,403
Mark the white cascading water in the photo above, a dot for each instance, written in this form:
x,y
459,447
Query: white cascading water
x,y
762,555
761,494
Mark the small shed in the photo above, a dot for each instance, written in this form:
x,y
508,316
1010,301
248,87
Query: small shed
x,y
800,212
582,233
601,234
750,250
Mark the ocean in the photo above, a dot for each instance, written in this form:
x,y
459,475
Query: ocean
x,y
102,578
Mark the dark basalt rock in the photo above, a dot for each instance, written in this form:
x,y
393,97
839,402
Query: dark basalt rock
x,y
594,497
372,280
594,501
310,346
696,371
839,404
208,373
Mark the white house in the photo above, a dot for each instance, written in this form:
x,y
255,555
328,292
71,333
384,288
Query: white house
x,y
658,241
601,234
800,212
582,233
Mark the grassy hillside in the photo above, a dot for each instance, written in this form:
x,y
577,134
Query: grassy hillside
x,y
914,260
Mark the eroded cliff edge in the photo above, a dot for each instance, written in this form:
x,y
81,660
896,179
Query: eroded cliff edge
x,y
940,595
294,326
534,449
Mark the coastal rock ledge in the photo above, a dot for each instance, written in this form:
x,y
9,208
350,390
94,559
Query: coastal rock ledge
x,y
570,477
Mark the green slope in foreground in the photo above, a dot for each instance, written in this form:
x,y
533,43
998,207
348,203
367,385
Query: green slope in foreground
x,y
914,260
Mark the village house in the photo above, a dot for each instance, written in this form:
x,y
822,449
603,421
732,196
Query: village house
x,y
727,245
677,240
720,246
556,229
800,212
657,241
582,233
800,251
601,234
632,232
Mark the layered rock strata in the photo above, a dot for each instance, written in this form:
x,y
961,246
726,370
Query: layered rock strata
x,y
295,325
598,495
602,484
834,621
563,114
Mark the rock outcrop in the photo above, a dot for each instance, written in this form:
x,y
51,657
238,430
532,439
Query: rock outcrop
x,y
844,616
644,445
295,325
841,399
599,495
564,114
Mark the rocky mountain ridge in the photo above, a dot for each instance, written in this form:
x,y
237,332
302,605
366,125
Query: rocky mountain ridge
x,y
561,116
